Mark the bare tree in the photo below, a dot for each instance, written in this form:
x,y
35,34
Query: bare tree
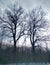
x,y
12,22
36,23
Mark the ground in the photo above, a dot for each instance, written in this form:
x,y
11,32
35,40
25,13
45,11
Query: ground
x,y
22,56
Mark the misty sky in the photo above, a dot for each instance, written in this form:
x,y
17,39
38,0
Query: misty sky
x,y
29,4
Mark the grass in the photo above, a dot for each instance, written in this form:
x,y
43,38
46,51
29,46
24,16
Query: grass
x,y
20,56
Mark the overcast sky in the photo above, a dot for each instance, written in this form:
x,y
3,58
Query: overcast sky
x,y
29,4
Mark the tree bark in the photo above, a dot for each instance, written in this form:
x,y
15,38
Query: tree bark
x,y
33,47
33,44
14,38
14,45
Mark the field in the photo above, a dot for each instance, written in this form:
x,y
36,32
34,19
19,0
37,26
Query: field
x,y
23,56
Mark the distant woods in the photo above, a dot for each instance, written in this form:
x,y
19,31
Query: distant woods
x,y
15,22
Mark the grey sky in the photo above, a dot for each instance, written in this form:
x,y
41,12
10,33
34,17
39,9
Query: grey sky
x,y
29,4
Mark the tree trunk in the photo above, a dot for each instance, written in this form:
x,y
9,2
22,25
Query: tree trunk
x,y
33,47
33,44
14,45
14,37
